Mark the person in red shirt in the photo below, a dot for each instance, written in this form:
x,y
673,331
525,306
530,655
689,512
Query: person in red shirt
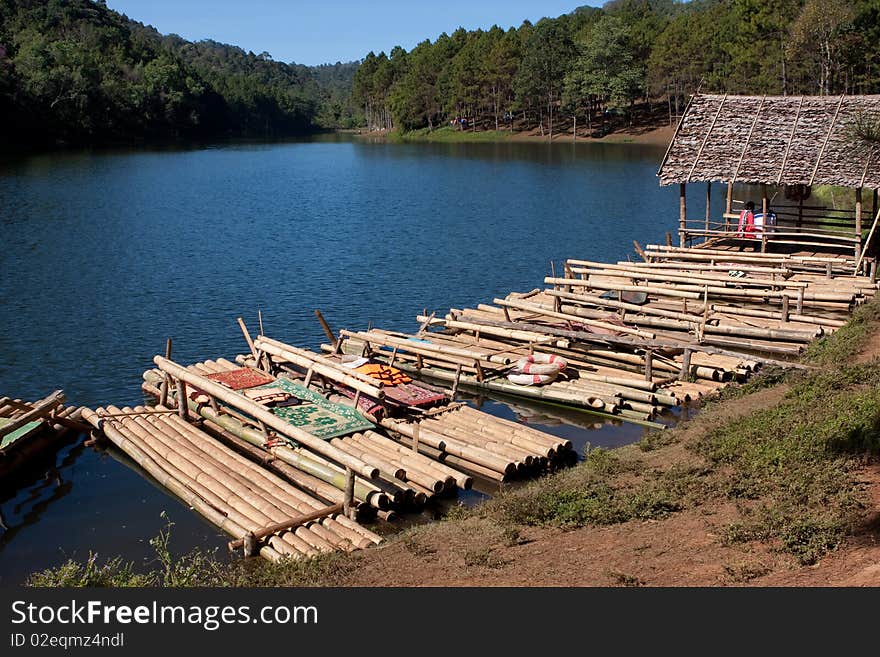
x,y
747,220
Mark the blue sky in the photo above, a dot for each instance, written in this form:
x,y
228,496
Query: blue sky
x,y
318,32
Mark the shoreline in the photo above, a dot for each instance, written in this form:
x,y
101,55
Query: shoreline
x,y
654,136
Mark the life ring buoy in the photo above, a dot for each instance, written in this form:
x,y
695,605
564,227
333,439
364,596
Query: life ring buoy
x,y
545,364
532,379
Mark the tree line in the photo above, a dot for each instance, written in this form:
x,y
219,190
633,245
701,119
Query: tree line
x,y
75,71
593,63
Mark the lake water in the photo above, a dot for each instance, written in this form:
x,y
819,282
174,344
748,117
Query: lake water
x,y
106,254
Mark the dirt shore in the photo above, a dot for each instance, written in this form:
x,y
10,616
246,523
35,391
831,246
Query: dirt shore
x,y
685,549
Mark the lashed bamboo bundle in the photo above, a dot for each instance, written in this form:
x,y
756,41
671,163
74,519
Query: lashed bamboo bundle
x,y
231,491
318,475
30,429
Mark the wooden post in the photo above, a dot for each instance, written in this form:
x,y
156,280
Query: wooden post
x,y
649,365
764,201
800,219
800,301
249,545
682,215
455,383
685,365
348,505
859,212
166,381
785,308
858,231
324,325
827,270
728,208
708,205
182,405
247,338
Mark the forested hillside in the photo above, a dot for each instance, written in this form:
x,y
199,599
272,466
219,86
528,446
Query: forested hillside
x,y
74,71
592,63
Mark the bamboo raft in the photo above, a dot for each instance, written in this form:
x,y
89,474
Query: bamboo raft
x,y
285,490
227,489
29,429
366,441
693,329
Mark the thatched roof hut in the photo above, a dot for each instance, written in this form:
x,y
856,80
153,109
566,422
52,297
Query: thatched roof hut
x,y
793,142
774,140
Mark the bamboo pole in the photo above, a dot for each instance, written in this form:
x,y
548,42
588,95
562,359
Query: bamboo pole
x,y
292,500
530,307
462,480
161,440
454,447
322,366
286,525
600,285
185,489
682,215
623,340
867,244
307,482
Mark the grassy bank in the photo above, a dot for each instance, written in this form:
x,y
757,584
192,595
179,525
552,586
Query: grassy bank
x,y
783,450
658,135
448,135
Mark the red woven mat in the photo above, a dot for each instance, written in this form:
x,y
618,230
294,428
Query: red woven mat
x,y
409,394
243,377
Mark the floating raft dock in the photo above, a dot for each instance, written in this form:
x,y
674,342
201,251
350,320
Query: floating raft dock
x,y
636,337
287,451
30,429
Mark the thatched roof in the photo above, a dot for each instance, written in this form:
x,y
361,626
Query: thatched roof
x,y
776,140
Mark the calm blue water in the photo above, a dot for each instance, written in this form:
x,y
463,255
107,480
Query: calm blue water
x,y
105,255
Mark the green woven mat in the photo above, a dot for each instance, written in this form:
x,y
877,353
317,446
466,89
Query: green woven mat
x,y
21,432
319,417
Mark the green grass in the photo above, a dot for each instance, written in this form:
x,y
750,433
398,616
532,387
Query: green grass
x,y
196,568
845,343
598,491
796,460
447,134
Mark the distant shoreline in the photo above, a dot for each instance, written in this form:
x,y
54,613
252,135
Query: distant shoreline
x,y
657,136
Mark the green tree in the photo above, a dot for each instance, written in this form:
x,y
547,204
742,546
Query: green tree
x,y
818,35
607,68
549,52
